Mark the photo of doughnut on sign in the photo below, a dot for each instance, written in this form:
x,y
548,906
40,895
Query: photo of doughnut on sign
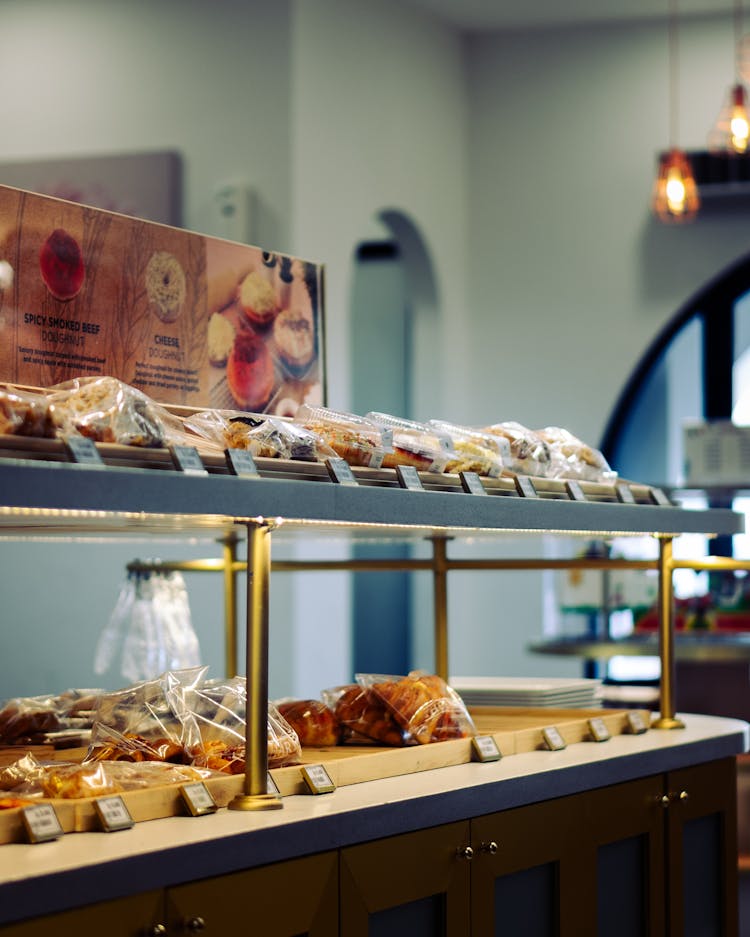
x,y
187,319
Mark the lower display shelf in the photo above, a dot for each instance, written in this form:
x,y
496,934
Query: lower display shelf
x,y
515,731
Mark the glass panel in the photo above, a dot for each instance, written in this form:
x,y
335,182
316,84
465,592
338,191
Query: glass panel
x,y
527,903
423,918
621,892
702,880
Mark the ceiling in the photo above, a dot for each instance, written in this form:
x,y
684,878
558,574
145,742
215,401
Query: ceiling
x,y
482,15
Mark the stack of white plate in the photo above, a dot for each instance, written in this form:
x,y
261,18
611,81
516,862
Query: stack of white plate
x,y
551,692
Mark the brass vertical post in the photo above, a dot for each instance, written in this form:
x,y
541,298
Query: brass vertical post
x,y
440,594
229,548
255,796
666,718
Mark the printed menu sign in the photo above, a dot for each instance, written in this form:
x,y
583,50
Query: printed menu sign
x,y
185,318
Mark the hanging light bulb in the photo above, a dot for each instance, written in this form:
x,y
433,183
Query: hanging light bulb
x,y
675,196
731,132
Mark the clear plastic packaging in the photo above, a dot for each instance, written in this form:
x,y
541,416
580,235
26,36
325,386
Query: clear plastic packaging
x,y
423,704
106,409
31,778
43,720
213,719
572,458
269,438
417,444
150,627
529,453
355,439
475,451
313,721
25,414
364,715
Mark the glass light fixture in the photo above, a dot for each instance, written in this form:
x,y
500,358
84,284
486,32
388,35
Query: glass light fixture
x,y
731,132
675,196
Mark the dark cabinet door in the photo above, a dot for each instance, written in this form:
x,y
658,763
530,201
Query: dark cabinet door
x,y
416,884
702,850
135,916
296,898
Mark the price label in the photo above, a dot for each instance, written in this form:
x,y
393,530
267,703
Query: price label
x,y
624,494
525,487
484,748
83,450
574,491
659,498
198,799
113,814
271,786
408,477
636,723
317,779
242,463
472,483
552,739
340,472
187,460
41,823
598,729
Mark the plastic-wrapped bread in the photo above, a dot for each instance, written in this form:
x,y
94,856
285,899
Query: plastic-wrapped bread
x,y
313,721
475,450
423,705
360,711
529,453
572,458
412,443
353,438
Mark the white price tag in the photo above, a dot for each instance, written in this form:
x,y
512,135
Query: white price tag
x,y
83,450
198,798
408,477
484,748
317,779
188,460
242,463
636,723
472,483
340,472
113,814
598,729
552,739
41,823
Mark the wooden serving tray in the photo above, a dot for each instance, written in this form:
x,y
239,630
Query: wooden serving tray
x,y
515,731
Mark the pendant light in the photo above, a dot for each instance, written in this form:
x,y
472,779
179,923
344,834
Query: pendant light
x,y
675,197
731,132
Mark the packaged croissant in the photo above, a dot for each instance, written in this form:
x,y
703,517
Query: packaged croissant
x,y
529,453
314,722
475,450
268,438
25,414
423,705
61,720
572,458
359,710
139,722
353,438
213,719
106,409
417,444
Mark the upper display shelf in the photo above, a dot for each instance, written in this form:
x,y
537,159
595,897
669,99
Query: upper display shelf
x,y
144,492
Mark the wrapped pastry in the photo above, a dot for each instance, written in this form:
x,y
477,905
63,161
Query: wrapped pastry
x,y
475,450
529,453
25,414
110,745
39,720
314,723
423,705
268,438
355,439
571,458
414,444
360,711
107,410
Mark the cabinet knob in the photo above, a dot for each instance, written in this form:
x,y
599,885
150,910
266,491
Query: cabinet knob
x,y
158,930
465,852
664,800
684,796
195,925
489,848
